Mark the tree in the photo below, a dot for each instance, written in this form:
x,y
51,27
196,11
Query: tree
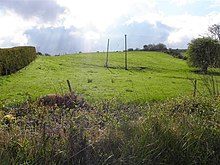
x,y
145,47
130,49
161,47
39,53
153,47
215,31
203,53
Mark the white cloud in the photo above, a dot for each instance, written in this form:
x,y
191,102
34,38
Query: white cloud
x,y
16,17
12,30
217,2
102,14
143,11
90,35
187,27
96,13
182,2
45,11
93,21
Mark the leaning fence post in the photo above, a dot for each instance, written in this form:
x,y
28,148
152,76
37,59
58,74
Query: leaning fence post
x,y
70,89
195,88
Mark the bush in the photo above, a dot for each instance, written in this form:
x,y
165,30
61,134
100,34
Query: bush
x,y
13,59
203,53
175,53
63,101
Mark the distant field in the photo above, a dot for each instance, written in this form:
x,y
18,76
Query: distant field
x,y
150,76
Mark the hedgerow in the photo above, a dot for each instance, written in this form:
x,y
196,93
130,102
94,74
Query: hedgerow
x,y
13,59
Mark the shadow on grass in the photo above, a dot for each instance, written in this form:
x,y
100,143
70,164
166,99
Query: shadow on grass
x,y
135,69
178,77
208,73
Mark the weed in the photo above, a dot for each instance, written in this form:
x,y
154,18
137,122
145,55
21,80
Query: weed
x,y
89,80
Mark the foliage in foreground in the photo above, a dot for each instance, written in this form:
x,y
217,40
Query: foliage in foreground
x,y
58,130
178,131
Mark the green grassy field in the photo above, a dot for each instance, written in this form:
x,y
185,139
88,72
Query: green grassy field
x,y
150,76
65,129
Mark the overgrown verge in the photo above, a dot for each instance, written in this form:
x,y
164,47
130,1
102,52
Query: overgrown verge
x,y
59,130
13,59
178,131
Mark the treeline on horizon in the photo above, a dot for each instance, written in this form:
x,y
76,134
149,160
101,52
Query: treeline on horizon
x,y
160,47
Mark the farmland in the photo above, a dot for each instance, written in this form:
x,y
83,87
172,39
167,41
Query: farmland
x,y
150,76
143,115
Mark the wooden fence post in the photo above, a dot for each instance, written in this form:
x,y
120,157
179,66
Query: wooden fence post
x,y
70,89
195,88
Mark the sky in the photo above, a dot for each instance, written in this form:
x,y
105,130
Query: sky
x,y
71,26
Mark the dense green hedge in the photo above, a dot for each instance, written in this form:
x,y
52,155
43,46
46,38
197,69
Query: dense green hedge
x,y
13,59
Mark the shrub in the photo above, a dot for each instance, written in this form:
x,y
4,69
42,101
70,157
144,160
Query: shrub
x,y
63,101
175,53
203,53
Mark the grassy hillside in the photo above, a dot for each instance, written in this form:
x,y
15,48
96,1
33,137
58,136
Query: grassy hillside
x,y
65,129
150,76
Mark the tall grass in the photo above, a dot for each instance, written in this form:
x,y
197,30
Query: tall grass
x,y
58,130
178,131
